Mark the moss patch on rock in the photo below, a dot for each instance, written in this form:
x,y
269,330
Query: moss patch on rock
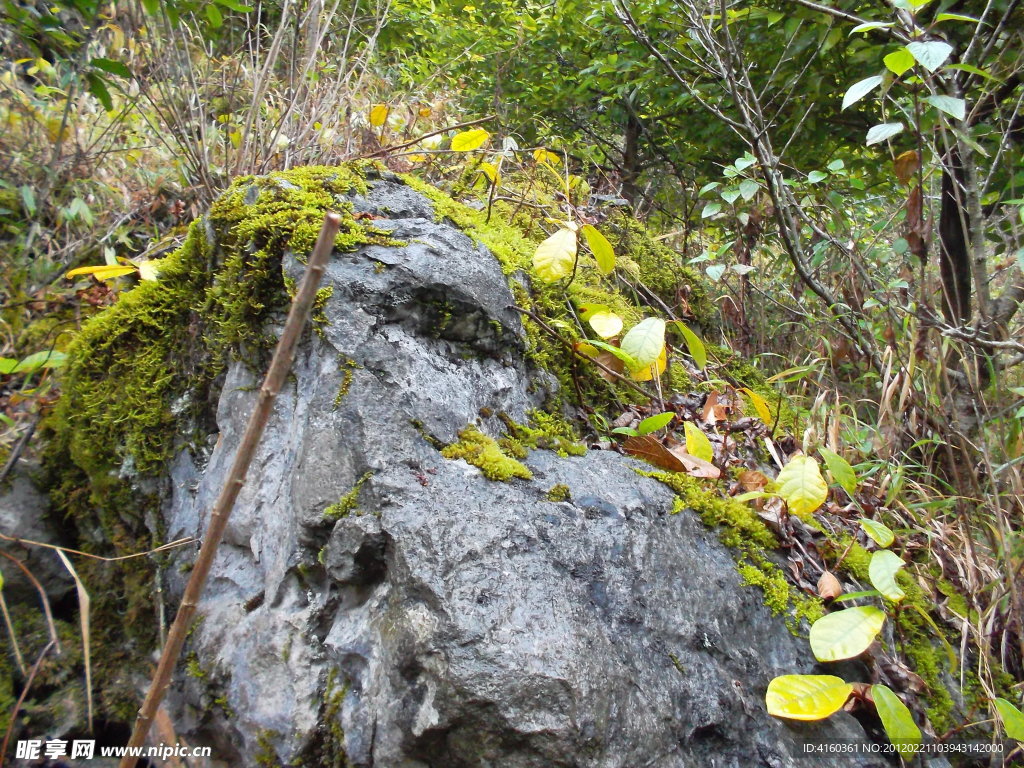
x,y
482,451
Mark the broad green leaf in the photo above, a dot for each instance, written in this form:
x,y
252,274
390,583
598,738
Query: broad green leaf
x,y
840,470
930,54
694,345
710,210
7,365
899,61
601,248
880,533
801,485
645,341
113,67
469,140
836,165
868,26
815,177
860,89
845,634
806,697
715,271
709,186
555,257
606,324
858,595
627,359
214,16
748,188
975,71
896,719
98,88
697,443
152,6
742,163
46,359
957,17
882,570
102,272
882,132
731,195
1013,719
952,106
379,115
760,405
654,423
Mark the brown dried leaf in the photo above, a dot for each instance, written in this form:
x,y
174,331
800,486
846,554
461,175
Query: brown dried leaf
x,y
752,480
716,409
608,360
829,587
906,165
624,420
695,466
648,448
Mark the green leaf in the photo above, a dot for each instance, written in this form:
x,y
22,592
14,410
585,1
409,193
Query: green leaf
x,y
111,66
952,106
840,470
48,358
742,163
7,365
601,248
896,719
1013,720
974,71
882,570
654,423
748,188
28,199
697,443
710,210
645,341
880,533
857,595
214,16
708,187
626,358
555,257
882,132
860,89
469,140
694,345
234,5
930,54
956,17
868,26
98,88
816,176
845,634
731,195
152,6
899,61
801,485
806,697
836,165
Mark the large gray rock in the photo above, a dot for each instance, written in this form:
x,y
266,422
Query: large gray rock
x,y
451,620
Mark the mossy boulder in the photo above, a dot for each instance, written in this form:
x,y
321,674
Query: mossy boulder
x,y
433,610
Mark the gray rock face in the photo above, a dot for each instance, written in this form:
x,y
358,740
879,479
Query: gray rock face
x,y
448,620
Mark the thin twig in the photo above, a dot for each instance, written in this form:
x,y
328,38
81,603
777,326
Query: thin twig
x,y
280,365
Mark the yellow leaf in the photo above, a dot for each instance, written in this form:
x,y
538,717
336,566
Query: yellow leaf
x,y
491,172
556,256
469,140
697,443
379,115
646,373
605,323
104,272
541,155
801,485
601,248
806,697
417,158
760,405
424,111
845,634
148,270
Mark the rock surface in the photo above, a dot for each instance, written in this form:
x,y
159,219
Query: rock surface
x,y
435,618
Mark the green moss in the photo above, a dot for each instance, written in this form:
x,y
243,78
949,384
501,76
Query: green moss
x,y
349,503
548,432
348,368
194,668
558,493
266,755
317,315
482,451
740,529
